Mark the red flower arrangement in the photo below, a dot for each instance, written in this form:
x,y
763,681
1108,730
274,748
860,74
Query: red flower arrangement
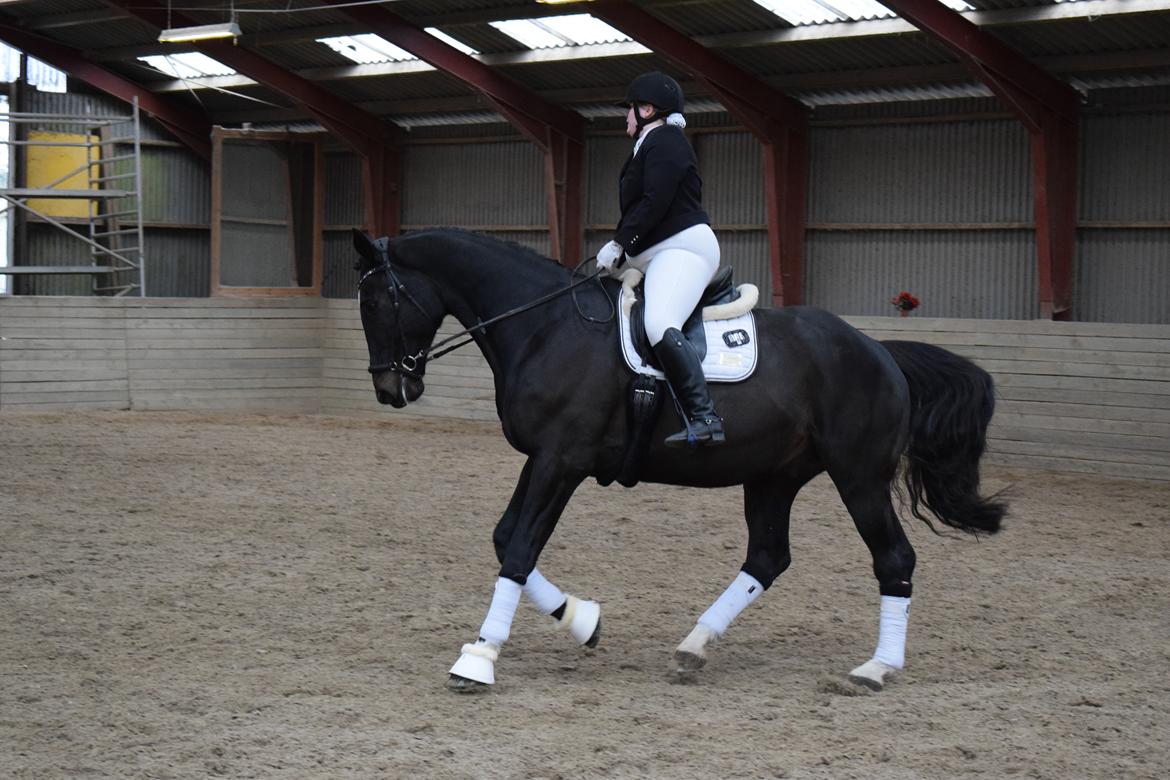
x,y
905,303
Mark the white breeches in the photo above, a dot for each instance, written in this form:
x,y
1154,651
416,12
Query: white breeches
x,y
677,271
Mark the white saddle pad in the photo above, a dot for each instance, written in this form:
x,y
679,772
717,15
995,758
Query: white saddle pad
x,y
731,344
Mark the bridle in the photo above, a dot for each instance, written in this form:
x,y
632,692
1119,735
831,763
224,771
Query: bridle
x,y
409,365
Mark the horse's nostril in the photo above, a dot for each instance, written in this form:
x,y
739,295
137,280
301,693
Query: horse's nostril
x,y
383,396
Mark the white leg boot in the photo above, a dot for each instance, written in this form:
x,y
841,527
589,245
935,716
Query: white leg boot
x,y
581,618
691,655
890,655
477,662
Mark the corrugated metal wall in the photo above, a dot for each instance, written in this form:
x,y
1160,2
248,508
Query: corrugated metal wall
x,y
870,186
176,192
472,184
954,172
731,165
873,192
604,156
344,210
255,187
1123,276
977,274
1123,245
177,263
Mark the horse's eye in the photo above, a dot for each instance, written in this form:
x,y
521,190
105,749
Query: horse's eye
x,y
370,305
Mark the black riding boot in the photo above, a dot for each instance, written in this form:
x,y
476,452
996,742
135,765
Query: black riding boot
x,y
683,370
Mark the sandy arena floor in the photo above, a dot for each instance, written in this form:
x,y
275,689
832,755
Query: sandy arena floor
x,y
190,596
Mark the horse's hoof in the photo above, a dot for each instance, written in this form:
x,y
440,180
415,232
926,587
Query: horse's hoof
x,y
872,674
596,637
476,664
463,685
686,662
582,619
690,655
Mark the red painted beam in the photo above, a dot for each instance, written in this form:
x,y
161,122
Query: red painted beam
x,y
189,127
1049,109
564,166
381,172
1054,173
558,132
777,120
992,59
785,172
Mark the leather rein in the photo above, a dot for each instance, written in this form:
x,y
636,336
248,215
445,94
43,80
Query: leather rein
x,y
408,365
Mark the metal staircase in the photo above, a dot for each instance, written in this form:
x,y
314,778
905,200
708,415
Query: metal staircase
x,y
112,225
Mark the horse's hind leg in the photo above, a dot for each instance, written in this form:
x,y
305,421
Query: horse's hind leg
x,y
580,618
893,564
766,506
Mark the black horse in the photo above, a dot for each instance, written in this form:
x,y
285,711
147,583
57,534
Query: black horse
x,y
824,397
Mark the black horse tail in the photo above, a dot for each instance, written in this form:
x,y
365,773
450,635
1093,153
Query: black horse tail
x,y
951,403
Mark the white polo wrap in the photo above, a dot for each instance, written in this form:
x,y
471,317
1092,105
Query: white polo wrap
x,y
545,596
739,594
498,623
891,647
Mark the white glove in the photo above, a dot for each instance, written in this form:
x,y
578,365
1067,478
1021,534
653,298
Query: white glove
x,y
609,254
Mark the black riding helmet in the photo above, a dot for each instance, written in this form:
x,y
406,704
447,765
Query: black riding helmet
x,y
656,89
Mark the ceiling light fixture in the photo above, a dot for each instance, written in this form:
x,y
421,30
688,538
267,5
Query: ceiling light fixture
x,y
203,32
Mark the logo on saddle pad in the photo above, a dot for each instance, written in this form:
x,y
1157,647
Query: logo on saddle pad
x,y
736,338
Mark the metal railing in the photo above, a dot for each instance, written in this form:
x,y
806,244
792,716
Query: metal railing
x,y
112,226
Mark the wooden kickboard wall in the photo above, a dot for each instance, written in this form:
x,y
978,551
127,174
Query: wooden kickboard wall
x,y
1080,397
1070,396
59,353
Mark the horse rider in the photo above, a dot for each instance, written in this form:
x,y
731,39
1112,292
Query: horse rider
x,y
665,233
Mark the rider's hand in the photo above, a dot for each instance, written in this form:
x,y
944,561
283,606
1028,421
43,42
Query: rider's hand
x,y
608,255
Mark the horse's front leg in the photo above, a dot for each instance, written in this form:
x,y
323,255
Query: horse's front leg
x,y
579,617
548,491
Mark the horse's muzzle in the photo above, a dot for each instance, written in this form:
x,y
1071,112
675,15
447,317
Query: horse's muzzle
x,y
395,389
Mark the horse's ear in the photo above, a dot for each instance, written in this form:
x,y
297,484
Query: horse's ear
x,y
363,245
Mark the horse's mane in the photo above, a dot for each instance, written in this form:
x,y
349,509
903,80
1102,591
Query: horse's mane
x,y
512,249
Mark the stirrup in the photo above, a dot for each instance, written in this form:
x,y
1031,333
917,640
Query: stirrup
x,y
707,431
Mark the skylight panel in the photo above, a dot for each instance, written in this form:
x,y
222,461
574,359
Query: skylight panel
x,y
570,30
187,65
802,12
447,39
854,10
534,35
582,29
799,12
367,48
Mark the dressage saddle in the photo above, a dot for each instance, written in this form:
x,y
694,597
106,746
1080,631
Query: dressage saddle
x,y
721,290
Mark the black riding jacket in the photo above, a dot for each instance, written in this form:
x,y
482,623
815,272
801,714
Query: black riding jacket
x,y
660,192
